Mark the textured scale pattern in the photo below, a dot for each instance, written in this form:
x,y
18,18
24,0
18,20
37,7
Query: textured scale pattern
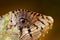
x,y
29,25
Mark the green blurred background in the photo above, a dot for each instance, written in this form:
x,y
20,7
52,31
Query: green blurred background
x,y
47,7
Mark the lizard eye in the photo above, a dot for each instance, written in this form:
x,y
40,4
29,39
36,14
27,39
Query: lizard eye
x,y
22,20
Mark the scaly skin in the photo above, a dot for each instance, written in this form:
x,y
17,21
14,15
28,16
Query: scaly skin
x,y
24,25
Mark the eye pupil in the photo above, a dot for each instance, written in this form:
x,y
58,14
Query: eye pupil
x,y
23,21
